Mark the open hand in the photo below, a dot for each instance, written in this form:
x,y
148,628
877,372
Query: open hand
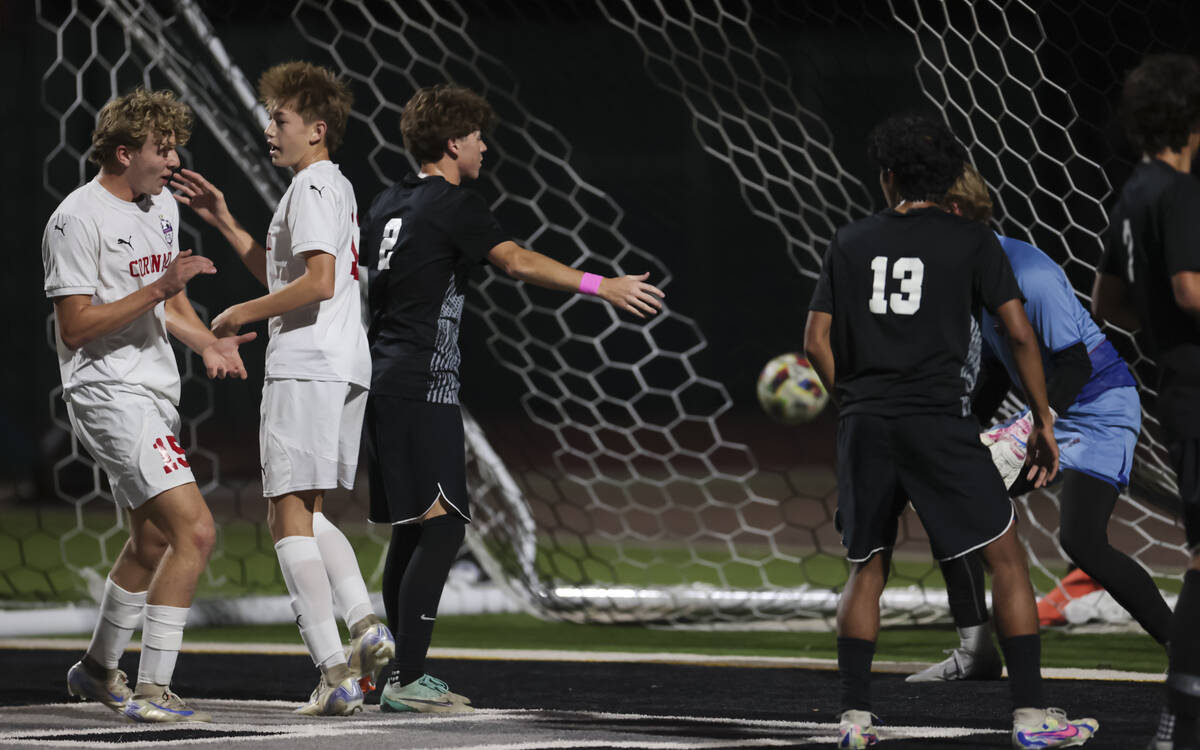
x,y
204,198
221,358
632,294
1042,457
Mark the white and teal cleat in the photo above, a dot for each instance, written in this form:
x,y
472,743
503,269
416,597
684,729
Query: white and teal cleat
x,y
427,694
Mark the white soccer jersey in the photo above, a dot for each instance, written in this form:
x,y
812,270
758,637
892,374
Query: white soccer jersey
x,y
325,340
99,245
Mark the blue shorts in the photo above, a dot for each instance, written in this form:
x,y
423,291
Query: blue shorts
x,y
1098,437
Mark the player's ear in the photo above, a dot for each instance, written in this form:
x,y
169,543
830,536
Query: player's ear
x,y
452,148
123,155
317,134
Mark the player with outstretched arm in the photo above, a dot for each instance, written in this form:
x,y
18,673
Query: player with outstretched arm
x,y
423,236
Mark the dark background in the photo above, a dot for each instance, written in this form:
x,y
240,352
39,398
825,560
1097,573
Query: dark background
x,y
850,64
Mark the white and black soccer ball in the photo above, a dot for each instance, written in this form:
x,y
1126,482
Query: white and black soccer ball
x,y
790,391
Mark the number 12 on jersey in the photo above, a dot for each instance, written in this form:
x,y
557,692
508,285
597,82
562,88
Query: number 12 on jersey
x,y
910,272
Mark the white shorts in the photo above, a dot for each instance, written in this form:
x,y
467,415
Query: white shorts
x,y
308,434
131,433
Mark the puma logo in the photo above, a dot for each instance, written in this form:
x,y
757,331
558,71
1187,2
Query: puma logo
x,y
320,190
62,228
126,241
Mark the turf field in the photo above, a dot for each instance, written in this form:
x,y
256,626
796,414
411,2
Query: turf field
x,y
558,685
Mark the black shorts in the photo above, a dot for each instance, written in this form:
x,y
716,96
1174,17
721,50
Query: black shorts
x,y
415,454
936,462
1185,458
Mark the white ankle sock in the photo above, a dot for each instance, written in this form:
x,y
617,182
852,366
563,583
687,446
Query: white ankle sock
x,y
120,615
341,565
312,599
162,636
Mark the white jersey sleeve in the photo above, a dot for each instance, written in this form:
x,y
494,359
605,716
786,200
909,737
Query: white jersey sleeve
x,y
70,256
316,216
107,248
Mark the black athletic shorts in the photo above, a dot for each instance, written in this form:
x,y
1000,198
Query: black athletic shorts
x,y
1185,458
415,454
936,462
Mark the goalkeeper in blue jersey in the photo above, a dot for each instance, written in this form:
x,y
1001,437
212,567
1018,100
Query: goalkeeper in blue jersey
x,y
1099,416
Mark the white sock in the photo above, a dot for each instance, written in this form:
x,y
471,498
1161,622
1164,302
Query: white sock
x,y
120,615
162,635
312,599
341,565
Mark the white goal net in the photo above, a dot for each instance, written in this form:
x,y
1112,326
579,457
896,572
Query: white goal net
x,y
622,498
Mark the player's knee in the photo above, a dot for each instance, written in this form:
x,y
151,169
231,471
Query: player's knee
x,y
148,549
202,536
1078,545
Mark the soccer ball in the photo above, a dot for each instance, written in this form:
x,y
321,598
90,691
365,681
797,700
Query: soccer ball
x,y
790,391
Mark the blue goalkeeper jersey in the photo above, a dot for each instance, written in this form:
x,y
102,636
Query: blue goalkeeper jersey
x,y
1059,321
1098,433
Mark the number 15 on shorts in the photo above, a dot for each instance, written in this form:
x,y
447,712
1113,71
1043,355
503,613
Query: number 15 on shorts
x,y
910,272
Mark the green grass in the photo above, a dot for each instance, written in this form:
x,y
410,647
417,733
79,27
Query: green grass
x,y
1126,651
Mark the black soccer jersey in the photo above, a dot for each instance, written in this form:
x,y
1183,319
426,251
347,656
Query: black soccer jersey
x,y
422,235
1154,233
905,291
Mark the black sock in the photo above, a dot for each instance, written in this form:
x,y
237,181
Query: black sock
x,y
404,541
1023,655
1183,678
966,588
854,666
420,592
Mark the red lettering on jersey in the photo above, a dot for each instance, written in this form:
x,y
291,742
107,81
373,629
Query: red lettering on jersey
x,y
149,264
354,247
155,263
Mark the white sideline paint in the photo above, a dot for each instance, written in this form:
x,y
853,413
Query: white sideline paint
x,y
145,735
632,657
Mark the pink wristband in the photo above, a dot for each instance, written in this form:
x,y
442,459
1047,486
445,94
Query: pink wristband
x,y
590,283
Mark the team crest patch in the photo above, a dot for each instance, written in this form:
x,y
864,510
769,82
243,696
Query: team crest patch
x,y
167,230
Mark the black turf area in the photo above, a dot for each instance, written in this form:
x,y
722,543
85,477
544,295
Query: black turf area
x,y
1127,711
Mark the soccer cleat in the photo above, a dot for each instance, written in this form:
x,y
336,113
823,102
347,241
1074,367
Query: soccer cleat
x,y
427,694
369,654
342,699
1036,728
962,665
113,692
171,706
855,730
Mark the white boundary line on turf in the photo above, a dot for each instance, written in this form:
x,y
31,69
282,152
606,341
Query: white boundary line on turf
x,y
361,725
552,655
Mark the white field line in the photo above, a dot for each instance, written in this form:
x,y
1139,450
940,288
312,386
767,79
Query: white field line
x,y
488,654
361,725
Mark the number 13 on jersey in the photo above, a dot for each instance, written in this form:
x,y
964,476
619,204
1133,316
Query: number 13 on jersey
x,y
910,272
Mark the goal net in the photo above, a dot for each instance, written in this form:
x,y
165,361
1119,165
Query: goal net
x,y
619,494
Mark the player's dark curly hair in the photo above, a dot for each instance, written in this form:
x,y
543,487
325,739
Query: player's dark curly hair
x,y
921,153
436,114
1160,102
314,92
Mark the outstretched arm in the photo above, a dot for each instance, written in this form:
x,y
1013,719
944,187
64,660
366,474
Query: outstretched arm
x,y
1110,301
209,204
629,293
1042,448
314,285
220,356
80,322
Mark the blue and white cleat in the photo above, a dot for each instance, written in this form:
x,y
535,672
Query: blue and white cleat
x,y
342,699
855,730
1037,728
113,692
171,706
427,695
369,655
